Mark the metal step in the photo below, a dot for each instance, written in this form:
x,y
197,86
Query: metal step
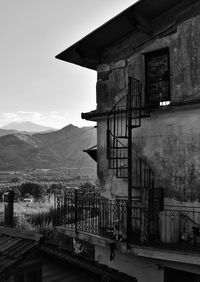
x,y
121,177
121,137
118,158
135,126
126,112
122,168
118,148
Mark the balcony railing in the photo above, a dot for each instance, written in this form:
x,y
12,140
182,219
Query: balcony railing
x,y
174,227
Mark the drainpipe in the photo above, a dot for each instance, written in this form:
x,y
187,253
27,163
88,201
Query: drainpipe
x,y
129,207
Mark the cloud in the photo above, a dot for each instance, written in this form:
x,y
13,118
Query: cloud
x,y
53,119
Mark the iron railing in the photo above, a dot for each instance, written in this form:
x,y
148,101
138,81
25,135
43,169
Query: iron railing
x,y
174,227
180,227
91,213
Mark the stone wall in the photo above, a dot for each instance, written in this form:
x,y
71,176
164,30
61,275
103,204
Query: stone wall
x,y
111,84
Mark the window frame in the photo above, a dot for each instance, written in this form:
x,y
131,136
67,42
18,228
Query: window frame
x,y
148,55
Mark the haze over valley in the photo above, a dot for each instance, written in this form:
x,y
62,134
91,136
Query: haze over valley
x,y
47,149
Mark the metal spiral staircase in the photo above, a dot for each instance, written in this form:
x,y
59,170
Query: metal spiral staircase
x,y
125,116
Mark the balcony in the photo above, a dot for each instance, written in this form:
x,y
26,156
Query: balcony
x,y
175,228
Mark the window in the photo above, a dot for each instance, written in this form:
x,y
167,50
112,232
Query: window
x,y
157,78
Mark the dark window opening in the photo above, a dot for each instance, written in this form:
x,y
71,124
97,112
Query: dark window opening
x,y
157,78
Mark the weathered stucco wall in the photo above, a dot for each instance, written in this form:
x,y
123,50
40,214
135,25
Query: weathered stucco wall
x,y
130,265
143,269
186,61
112,86
168,140
110,185
170,143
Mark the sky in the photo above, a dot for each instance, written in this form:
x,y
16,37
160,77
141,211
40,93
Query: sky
x,y
34,86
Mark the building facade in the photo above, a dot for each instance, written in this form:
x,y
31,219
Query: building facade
x,y
148,127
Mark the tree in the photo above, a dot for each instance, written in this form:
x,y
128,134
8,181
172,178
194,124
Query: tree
x,y
32,188
88,186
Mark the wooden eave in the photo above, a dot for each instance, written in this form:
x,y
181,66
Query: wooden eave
x,y
145,16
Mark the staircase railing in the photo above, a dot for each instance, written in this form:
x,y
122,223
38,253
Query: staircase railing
x,y
123,117
117,137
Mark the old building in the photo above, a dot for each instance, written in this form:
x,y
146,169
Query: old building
x,y
19,256
26,257
148,127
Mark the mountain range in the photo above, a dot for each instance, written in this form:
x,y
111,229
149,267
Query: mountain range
x,y
27,126
60,148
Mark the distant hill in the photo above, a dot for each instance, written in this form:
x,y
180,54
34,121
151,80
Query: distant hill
x,y
61,148
7,131
27,126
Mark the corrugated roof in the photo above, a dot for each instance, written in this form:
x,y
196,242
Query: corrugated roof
x,y
15,245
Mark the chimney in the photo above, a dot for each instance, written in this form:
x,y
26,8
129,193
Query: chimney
x,y
8,208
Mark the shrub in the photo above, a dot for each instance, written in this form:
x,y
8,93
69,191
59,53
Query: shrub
x,y
45,229
43,218
23,224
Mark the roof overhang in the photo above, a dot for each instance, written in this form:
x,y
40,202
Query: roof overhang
x,y
138,17
92,152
